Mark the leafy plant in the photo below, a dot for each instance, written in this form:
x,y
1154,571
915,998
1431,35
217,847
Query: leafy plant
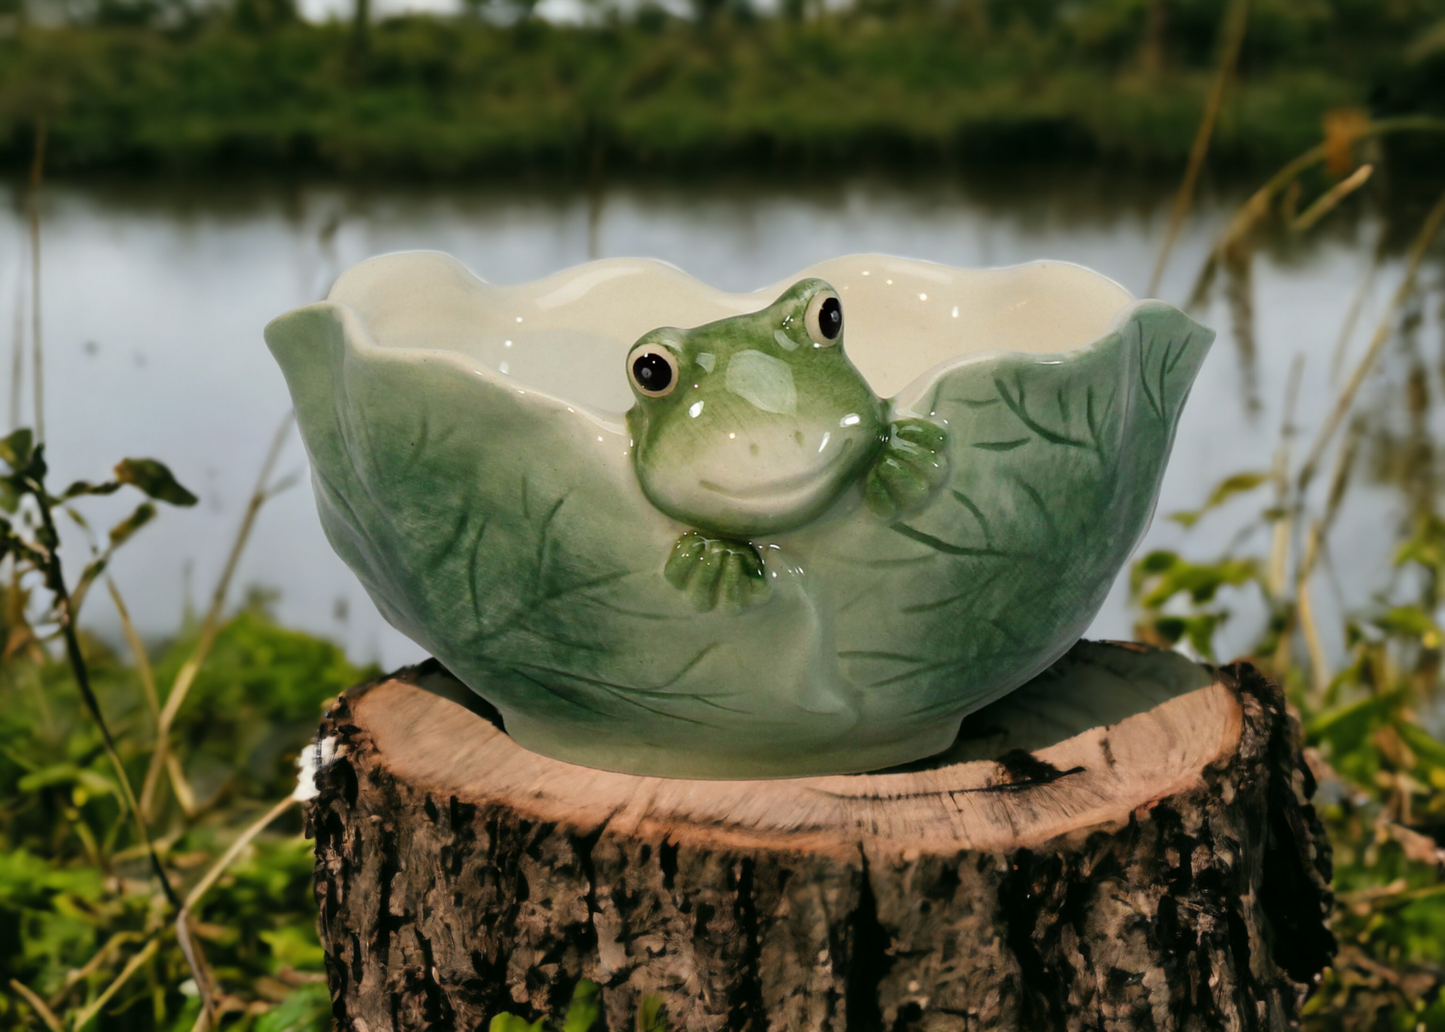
x,y
583,1013
1370,730
149,910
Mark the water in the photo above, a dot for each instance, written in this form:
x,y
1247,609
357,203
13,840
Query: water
x,y
154,298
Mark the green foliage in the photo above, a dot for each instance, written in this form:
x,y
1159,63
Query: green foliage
x,y
583,1013
881,82
1229,487
585,1008
48,916
256,703
1162,577
16,449
1369,741
154,479
85,926
649,1015
304,1010
70,882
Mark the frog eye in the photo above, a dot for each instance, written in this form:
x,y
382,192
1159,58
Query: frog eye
x,y
824,319
653,370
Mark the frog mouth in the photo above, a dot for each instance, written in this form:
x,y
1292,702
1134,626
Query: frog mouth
x,y
783,485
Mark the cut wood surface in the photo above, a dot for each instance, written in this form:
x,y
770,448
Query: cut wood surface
x,y
1123,843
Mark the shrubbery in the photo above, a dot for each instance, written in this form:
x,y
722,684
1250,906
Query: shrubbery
x,y
886,83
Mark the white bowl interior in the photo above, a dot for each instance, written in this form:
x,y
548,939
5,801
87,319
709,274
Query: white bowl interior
x,y
568,335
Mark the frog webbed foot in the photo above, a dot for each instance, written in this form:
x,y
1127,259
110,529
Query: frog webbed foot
x,y
910,466
716,572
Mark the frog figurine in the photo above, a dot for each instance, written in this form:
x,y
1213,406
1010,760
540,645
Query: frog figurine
x,y
754,425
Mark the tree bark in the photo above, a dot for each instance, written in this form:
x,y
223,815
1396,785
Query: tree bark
x,y
1160,869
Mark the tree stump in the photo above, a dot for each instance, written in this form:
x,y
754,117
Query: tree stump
x,y
1124,843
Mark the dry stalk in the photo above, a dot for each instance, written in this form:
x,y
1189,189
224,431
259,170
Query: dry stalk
x,y
181,786
148,680
1236,19
211,624
1332,198
37,372
183,929
137,651
93,852
1254,210
1289,203
1239,299
1304,613
1282,534
1315,545
1357,306
242,840
65,616
131,967
77,975
1428,231
38,1005
162,844
17,345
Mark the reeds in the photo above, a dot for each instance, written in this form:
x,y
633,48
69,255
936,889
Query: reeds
x,y
40,549
37,324
1363,718
264,490
1232,32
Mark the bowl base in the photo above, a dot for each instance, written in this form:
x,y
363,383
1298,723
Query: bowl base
x,y
689,760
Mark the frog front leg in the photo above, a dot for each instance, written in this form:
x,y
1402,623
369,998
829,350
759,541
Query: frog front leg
x,y
911,464
715,571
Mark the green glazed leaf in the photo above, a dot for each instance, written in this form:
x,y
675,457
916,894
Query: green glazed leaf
x,y
510,538
1004,569
504,531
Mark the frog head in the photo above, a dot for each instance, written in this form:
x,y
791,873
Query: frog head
x,y
753,424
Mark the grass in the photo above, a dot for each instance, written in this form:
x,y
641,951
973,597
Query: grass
x,y
77,900
172,907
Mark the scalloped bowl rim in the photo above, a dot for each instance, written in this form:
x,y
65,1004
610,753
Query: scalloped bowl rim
x,y
565,336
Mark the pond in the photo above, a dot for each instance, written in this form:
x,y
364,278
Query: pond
x,y
154,296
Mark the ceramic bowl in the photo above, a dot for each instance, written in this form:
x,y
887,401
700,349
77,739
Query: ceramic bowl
x,y
670,530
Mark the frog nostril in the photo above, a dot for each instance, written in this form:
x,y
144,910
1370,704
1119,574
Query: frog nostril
x,y
798,437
